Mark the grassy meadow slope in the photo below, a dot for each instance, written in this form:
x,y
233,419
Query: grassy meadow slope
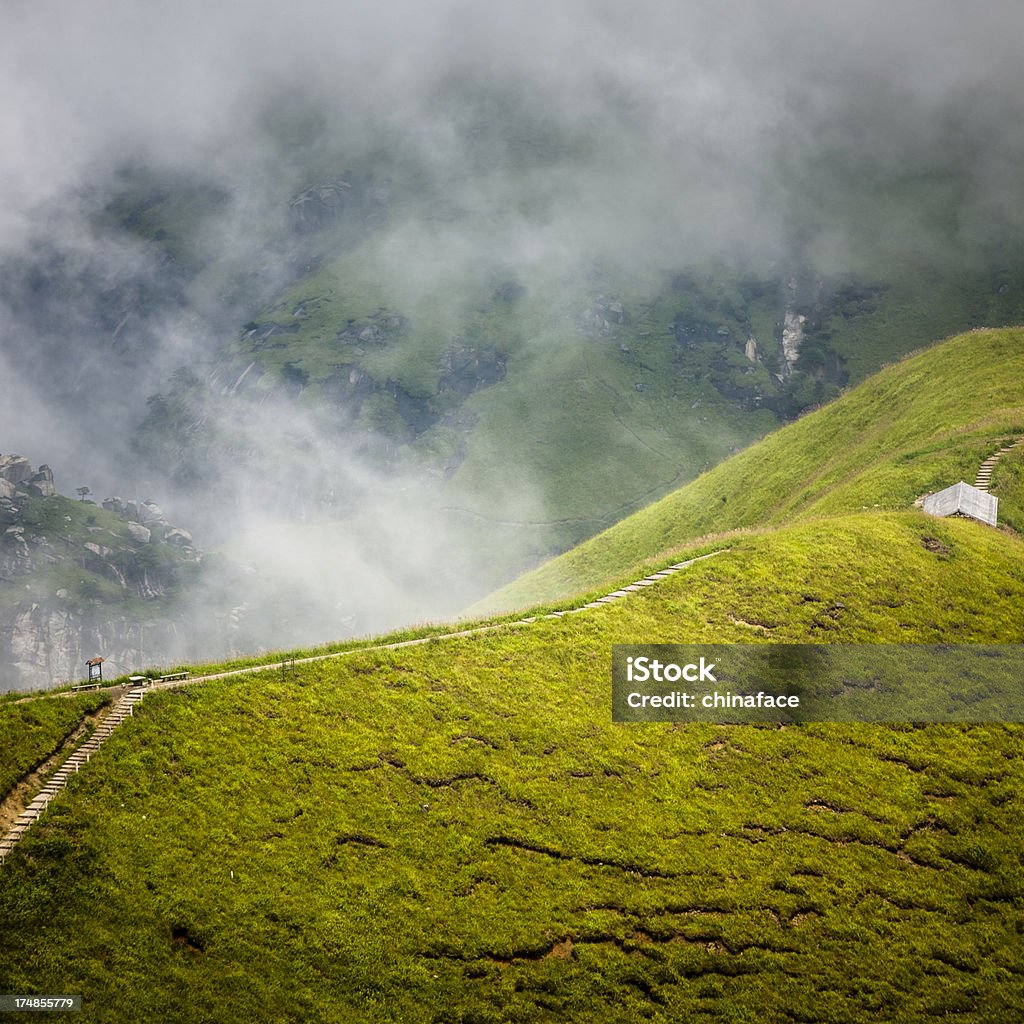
x,y
1008,486
458,832
919,425
30,732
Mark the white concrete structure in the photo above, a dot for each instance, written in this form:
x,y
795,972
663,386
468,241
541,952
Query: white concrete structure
x,y
964,500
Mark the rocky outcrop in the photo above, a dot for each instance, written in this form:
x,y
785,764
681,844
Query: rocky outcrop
x,y
467,368
792,337
602,318
376,330
140,533
18,477
146,523
15,469
351,197
319,206
77,580
40,483
46,642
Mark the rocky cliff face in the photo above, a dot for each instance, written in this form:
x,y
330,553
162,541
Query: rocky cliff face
x,y
78,580
46,642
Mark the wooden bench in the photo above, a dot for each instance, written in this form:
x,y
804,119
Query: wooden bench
x,y
172,676
94,685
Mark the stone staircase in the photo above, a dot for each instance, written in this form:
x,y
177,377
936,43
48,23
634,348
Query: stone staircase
x,y
58,781
632,588
984,477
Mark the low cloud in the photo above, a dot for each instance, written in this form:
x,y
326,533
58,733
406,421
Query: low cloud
x,y
530,143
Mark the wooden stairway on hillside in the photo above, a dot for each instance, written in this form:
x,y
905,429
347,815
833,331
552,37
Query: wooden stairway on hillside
x,y
984,477
123,708
118,713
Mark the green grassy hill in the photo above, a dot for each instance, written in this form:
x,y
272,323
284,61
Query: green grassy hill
x,y
913,428
458,832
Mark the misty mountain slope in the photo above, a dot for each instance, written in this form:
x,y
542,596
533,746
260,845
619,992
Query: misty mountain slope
x,y
639,381
463,283
516,418
912,428
458,831
526,411
77,580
